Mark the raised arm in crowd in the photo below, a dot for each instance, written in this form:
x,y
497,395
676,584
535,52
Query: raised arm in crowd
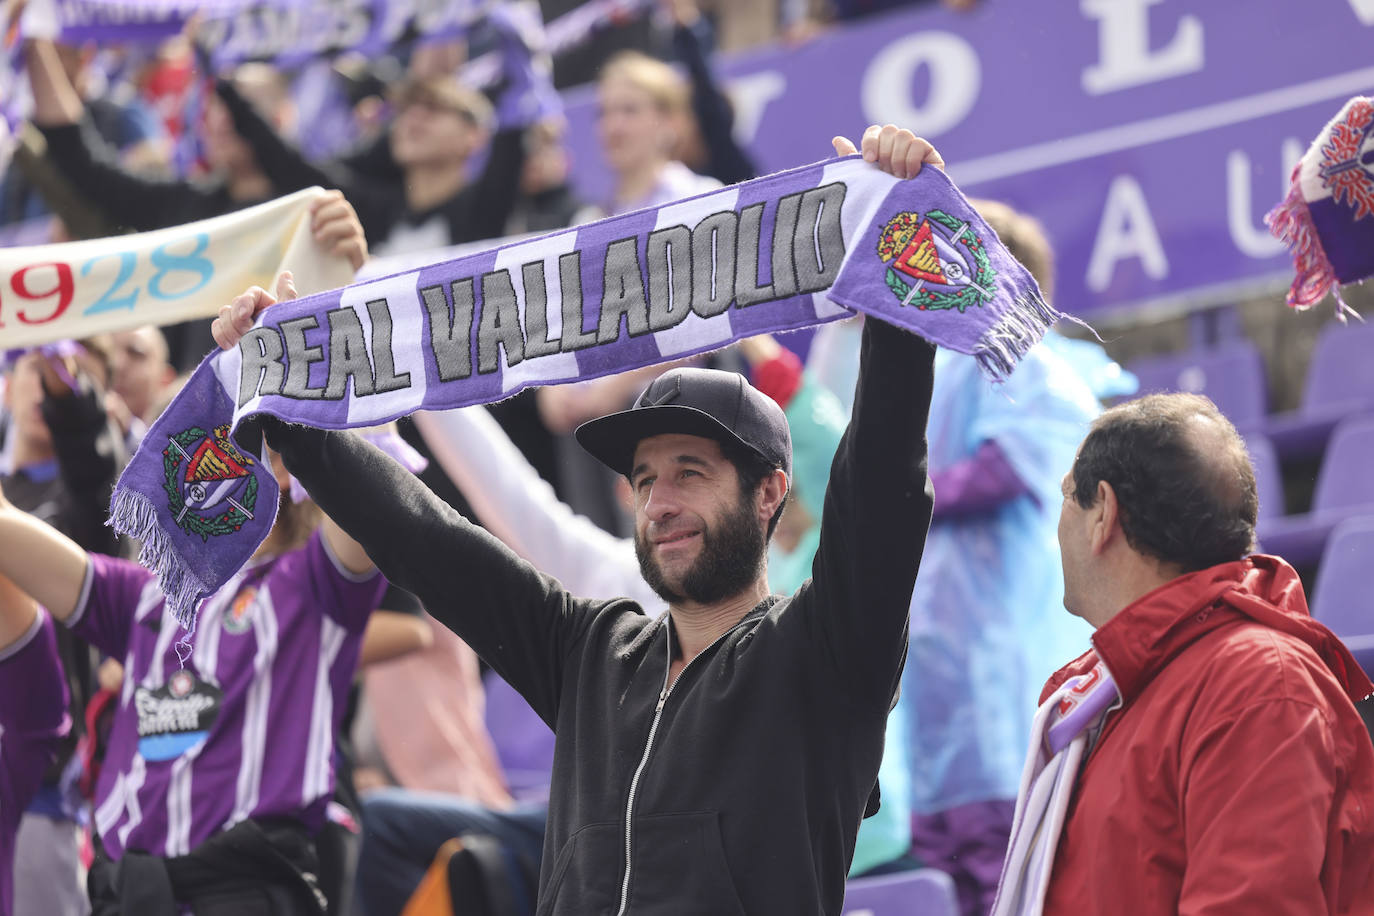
x,y
128,199
440,125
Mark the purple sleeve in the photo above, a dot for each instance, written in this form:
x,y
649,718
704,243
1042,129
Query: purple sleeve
x,y
978,484
33,713
345,597
109,599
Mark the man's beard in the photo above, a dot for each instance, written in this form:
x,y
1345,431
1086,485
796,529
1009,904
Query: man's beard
x,y
731,556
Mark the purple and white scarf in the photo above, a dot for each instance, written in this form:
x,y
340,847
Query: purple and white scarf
x,y
773,254
1063,733
1327,219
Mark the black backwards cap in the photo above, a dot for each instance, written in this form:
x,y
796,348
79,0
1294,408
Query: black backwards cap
x,y
712,403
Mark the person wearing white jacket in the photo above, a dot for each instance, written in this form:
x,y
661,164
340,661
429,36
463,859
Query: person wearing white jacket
x,y
404,829
514,503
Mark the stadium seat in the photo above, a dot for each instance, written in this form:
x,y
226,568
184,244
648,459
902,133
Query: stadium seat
x,y
923,892
1342,599
1231,374
1268,477
1345,488
1340,383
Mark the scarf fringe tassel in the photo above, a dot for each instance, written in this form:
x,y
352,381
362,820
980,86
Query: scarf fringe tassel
x,y
1291,223
1004,344
133,514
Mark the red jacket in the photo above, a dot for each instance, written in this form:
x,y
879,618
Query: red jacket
x,y
1237,778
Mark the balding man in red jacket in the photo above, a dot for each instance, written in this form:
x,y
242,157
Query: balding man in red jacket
x,y
1206,756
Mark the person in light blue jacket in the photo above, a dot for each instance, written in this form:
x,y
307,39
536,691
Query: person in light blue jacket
x,y
987,619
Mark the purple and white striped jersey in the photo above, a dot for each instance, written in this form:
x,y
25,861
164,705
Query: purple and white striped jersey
x,y
33,721
246,727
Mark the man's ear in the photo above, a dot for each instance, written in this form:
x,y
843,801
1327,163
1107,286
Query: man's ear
x,y
1106,517
771,492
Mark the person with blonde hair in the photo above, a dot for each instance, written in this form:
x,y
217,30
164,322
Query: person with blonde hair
x,y
642,118
642,105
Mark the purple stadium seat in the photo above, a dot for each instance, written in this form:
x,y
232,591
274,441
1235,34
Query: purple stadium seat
x,y
923,892
1342,599
1345,488
1340,382
1231,374
1268,479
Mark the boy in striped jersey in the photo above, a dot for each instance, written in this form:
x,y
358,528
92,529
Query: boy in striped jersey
x,y
220,757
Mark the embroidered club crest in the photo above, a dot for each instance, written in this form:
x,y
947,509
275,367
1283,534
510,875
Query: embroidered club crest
x,y
936,262
1347,165
209,483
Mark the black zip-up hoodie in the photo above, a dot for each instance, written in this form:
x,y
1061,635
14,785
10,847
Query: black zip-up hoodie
x,y
740,790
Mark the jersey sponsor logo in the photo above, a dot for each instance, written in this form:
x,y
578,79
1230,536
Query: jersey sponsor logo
x,y
210,487
177,716
936,262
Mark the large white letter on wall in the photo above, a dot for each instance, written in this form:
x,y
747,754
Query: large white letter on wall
x,y
955,78
1249,234
750,95
1125,56
1364,11
1127,230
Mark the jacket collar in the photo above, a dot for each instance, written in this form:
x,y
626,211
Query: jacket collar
x,y
1146,635
662,627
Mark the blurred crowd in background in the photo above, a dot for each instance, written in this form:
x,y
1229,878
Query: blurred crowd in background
x,y
434,153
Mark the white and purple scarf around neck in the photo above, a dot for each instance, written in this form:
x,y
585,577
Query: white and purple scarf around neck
x,y
773,254
1327,219
1065,728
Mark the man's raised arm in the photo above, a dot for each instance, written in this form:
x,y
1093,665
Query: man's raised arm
x,y
878,503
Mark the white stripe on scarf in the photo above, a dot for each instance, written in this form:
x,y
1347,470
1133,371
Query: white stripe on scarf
x,y
1063,733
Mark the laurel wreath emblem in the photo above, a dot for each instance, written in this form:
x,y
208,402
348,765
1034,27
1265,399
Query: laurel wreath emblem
x,y
894,238
225,522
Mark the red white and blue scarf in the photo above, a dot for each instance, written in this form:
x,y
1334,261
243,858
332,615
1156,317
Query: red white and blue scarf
x,y
1327,219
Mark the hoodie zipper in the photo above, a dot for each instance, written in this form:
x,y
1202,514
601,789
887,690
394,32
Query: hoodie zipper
x,y
648,748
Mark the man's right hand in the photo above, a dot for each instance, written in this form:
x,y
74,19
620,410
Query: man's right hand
x,y
895,150
237,317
